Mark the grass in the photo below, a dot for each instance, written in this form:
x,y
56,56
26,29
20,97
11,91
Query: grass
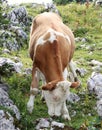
x,y
85,23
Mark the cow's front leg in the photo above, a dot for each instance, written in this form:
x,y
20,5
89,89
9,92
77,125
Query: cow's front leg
x,y
33,90
65,113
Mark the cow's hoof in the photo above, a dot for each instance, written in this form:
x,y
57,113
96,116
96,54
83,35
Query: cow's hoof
x,y
42,99
66,117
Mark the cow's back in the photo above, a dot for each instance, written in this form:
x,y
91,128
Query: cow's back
x,y
50,56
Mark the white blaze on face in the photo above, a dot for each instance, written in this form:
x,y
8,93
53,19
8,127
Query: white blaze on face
x,y
51,38
55,99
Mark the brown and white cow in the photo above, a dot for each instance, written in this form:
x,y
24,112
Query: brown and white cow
x,y
51,49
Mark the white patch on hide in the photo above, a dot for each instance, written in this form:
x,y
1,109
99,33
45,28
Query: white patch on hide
x,y
60,34
52,38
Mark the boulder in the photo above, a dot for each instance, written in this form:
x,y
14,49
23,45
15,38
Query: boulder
x,y
94,83
50,124
8,65
72,97
42,123
99,107
19,16
6,102
14,33
95,63
98,2
19,31
7,121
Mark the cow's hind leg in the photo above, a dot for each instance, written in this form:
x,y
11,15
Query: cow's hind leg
x,y
33,90
73,70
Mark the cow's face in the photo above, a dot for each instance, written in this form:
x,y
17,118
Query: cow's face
x,y
56,98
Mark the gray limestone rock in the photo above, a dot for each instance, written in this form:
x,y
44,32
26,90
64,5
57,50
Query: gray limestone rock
x,y
17,67
8,103
18,15
99,107
94,83
6,121
42,123
72,97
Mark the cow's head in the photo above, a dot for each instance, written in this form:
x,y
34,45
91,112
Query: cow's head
x,y
55,98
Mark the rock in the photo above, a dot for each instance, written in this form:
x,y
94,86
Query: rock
x,y
97,68
73,97
84,40
8,40
42,123
21,33
1,114
94,83
49,124
12,66
90,53
6,51
28,71
6,121
14,34
99,95
4,1
81,71
95,62
99,107
7,102
16,59
83,45
5,87
18,31
18,15
73,113
77,39
11,44
13,39
50,7
58,124
98,2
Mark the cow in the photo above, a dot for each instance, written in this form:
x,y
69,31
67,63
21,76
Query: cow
x,y
51,49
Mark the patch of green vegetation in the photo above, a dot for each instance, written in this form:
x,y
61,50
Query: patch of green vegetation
x,y
19,92
34,10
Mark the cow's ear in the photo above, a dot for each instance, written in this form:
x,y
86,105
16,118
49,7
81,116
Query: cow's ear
x,y
75,84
